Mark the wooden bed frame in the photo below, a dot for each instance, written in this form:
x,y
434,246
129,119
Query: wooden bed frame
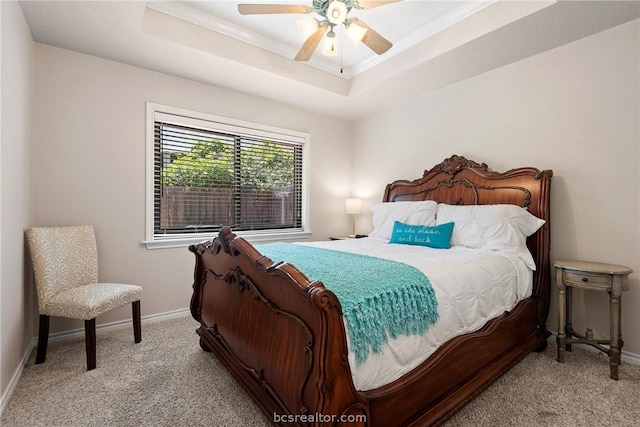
x,y
282,335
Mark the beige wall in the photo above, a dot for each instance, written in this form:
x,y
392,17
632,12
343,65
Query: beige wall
x,y
89,164
16,300
575,110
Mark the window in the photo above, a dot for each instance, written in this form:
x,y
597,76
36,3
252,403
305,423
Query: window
x,y
207,172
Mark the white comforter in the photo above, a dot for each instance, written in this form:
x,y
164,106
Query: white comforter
x,y
472,286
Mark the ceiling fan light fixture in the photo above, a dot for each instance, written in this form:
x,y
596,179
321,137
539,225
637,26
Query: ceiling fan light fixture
x,y
356,33
331,13
336,12
306,27
330,47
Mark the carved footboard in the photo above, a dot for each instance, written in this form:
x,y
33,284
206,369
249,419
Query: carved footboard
x,y
283,338
279,333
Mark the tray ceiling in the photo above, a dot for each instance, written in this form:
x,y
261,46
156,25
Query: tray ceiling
x,y
436,43
404,23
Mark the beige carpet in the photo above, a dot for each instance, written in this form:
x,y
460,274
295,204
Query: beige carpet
x,y
167,380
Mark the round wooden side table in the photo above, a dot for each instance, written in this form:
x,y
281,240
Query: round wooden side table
x,y
593,276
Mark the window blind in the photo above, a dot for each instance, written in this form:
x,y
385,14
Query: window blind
x,y
205,179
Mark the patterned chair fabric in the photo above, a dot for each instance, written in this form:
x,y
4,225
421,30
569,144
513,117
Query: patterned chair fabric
x,y
65,264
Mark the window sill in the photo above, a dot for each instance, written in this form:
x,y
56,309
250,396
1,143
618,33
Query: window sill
x,y
251,237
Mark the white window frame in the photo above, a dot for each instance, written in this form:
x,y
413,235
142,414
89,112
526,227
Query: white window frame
x,y
232,126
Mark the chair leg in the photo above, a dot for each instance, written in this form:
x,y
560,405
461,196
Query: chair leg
x,y
90,342
137,328
43,339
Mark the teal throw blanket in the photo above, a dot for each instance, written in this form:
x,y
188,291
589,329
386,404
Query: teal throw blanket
x,y
379,297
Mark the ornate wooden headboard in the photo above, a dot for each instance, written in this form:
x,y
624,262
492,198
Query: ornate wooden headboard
x,y
459,181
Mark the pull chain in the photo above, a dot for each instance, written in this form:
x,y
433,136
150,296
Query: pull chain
x,y
341,50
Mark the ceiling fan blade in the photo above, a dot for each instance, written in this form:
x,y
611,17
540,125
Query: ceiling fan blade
x,y
370,4
262,9
372,39
310,45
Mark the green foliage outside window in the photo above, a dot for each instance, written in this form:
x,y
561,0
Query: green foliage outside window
x,y
263,165
266,166
206,164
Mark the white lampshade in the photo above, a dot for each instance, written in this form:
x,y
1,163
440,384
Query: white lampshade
x,y
306,27
356,32
336,12
330,47
354,206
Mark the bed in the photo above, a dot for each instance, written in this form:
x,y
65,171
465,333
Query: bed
x,y
282,334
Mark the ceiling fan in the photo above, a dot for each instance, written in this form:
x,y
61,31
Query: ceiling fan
x,y
332,13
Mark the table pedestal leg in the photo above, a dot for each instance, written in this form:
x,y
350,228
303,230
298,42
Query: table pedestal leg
x,y
568,324
616,334
560,339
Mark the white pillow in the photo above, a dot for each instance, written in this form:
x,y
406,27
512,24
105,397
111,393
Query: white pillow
x,y
414,213
501,228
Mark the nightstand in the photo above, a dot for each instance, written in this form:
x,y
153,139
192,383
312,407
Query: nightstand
x,y
596,277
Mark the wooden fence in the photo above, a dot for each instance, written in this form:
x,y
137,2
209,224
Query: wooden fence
x,y
186,207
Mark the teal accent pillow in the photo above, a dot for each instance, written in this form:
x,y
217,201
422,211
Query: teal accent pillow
x,y
437,236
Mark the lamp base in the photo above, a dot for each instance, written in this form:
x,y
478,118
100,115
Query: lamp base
x,y
353,226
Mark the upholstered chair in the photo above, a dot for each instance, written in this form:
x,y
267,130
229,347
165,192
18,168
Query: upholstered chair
x,y
65,264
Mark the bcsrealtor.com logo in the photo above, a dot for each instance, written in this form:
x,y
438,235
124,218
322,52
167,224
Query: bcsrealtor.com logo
x,y
320,418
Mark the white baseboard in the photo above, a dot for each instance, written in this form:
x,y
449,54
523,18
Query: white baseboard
x,y
631,358
75,333
79,333
15,379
